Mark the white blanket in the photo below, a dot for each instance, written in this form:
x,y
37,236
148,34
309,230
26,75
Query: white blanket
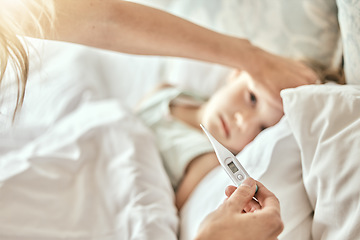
x,y
77,164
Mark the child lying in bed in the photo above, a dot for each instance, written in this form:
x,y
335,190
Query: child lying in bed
x,y
235,114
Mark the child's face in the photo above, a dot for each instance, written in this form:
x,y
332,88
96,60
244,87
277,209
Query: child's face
x,y
240,110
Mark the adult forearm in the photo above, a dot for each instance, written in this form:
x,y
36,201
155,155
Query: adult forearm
x,y
137,29
132,28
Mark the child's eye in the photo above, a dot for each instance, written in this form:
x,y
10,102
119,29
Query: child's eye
x,y
253,98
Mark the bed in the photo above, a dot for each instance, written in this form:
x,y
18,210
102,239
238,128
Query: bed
x,y
78,164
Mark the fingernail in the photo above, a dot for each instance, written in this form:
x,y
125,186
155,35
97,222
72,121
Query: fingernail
x,y
248,182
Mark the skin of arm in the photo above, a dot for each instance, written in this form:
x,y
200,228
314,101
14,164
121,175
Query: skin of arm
x,y
230,222
197,169
137,29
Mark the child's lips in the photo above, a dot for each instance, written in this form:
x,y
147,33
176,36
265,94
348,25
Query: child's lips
x,y
225,127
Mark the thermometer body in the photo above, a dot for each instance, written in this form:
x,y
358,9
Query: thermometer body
x,y
228,161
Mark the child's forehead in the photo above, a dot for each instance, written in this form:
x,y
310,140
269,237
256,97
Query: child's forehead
x,y
267,93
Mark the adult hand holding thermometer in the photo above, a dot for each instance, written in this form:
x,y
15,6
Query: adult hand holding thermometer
x,y
265,223
228,161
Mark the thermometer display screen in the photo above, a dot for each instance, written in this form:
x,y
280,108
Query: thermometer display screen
x,y
233,167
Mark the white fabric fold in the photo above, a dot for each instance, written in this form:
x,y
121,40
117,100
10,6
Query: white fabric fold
x,y
328,135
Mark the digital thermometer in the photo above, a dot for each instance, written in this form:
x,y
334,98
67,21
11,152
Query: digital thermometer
x,y
228,161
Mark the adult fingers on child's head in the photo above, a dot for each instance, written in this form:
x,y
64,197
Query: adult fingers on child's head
x,y
308,74
242,195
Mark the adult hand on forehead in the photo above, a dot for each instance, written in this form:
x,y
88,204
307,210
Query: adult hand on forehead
x,y
276,72
230,221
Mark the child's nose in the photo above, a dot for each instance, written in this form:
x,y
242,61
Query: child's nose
x,y
240,119
243,119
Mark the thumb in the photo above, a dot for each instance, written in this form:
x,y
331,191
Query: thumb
x,y
243,194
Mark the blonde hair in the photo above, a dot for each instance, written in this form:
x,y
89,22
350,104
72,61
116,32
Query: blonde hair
x,y
327,74
19,18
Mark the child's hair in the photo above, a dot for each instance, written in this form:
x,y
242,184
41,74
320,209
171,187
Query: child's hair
x,y
16,17
327,74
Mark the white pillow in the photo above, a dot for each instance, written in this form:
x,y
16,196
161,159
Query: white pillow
x,y
325,120
349,19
